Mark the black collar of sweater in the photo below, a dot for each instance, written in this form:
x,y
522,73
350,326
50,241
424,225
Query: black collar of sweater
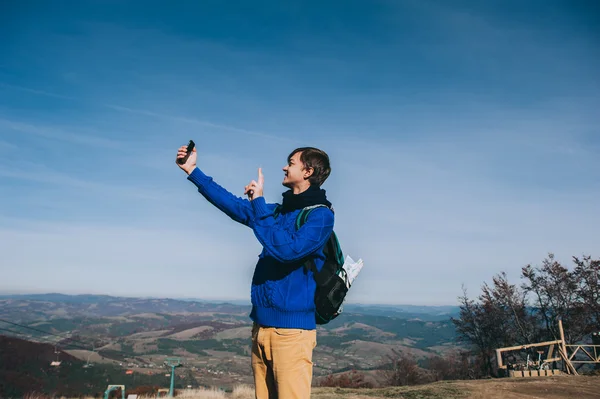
x,y
314,195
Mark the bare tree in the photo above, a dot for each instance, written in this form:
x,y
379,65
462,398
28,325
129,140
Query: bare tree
x,y
507,315
454,365
404,371
587,274
557,294
499,318
472,327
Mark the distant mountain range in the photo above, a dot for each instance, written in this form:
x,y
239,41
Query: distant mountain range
x,y
211,337
422,312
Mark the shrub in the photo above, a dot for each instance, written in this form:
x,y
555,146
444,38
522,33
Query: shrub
x,y
352,379
404,370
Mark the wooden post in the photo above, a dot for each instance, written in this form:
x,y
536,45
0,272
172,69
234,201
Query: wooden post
x,y
550,352
499,358
568,365
563,344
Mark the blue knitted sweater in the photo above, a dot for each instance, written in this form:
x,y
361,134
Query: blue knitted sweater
x,y
282,291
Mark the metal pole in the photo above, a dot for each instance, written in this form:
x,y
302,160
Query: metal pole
x,y
172,363
172,381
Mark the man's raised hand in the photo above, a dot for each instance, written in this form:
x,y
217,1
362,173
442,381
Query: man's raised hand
x,y
255,188
190,164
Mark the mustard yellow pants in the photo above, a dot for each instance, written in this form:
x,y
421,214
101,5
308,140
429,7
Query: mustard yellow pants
x,y
282,362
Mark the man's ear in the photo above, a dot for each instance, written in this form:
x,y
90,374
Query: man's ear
x,y
308,172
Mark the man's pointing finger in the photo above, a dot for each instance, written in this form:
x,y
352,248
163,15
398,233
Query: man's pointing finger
x,y
261,178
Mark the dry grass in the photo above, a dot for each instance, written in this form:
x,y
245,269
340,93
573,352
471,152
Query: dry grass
x,y
239,392
560,387
36,395
243,392
542,387
415,392
201,394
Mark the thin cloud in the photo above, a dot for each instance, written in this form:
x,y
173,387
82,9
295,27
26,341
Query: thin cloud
x,y
197,122
32,129
38,92
48,176
4,145
54,133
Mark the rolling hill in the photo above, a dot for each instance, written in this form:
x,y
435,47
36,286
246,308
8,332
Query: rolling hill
x,y
213,339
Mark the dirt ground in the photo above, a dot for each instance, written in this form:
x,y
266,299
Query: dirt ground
x,y
579,387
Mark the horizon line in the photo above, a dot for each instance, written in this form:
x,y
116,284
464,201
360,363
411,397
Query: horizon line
x,y
198,299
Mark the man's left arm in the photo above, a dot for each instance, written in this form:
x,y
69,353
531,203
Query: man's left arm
x,y
286,246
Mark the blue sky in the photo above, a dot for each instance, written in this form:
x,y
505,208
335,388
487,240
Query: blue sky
x,y
463,137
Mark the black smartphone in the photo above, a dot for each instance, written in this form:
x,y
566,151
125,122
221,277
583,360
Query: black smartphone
x,y
189,150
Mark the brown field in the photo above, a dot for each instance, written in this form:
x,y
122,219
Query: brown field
x,y
93,357
235,333
189,333
528,388
148,334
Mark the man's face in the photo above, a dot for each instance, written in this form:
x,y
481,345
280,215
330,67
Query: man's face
x,y
294,171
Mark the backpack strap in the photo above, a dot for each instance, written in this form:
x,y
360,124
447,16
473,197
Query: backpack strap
x,y
332,245
303,215
277,211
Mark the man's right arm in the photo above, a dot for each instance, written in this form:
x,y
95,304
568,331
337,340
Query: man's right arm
x,y
236,208
239,209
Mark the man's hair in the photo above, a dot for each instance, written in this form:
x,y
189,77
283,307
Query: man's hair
x,y
316,159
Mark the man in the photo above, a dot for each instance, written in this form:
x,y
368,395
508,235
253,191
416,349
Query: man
x,y
282,291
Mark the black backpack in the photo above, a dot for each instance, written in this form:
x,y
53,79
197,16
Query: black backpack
x,y
331,284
